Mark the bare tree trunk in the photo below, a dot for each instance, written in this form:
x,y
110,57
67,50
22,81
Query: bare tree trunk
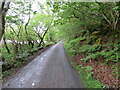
x,y
6,45
15,49
3,11
45,33
27,36
40,42
49,36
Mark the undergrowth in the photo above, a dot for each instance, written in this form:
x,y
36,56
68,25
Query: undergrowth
x,y
110,53
86,76
14,61
105,48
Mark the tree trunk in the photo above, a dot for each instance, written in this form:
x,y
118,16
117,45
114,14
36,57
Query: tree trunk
x,y
49,36
40,42
3,11
15,50
6,45
42,38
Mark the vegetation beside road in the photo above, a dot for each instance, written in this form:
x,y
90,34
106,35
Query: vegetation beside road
x,y
90,32
91,39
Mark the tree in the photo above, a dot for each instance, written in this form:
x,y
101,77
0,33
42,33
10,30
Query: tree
x,y
75,19
112,16
3,11
41,24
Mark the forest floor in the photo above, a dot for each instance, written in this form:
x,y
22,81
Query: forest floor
x,y
101,71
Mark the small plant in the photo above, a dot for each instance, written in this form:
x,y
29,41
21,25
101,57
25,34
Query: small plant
x,y
91,56
77,40
108,54
89,48
88,71
115,70
5,74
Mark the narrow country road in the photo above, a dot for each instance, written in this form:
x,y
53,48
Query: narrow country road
x,y
51,69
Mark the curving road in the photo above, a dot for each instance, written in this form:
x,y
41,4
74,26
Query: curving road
x,y
51,69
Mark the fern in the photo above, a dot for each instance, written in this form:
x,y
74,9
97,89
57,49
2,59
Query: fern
x,y
89,48
112,55
91,56
77,40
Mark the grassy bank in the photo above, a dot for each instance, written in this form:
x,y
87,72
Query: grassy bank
x,y
97,63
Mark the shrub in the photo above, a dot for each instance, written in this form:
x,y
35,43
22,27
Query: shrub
x,y
89,48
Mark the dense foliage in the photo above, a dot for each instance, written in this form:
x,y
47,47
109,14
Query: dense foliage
x,y
91,29
25,32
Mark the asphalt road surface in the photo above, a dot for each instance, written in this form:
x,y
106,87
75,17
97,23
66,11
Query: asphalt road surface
x,y
51,69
